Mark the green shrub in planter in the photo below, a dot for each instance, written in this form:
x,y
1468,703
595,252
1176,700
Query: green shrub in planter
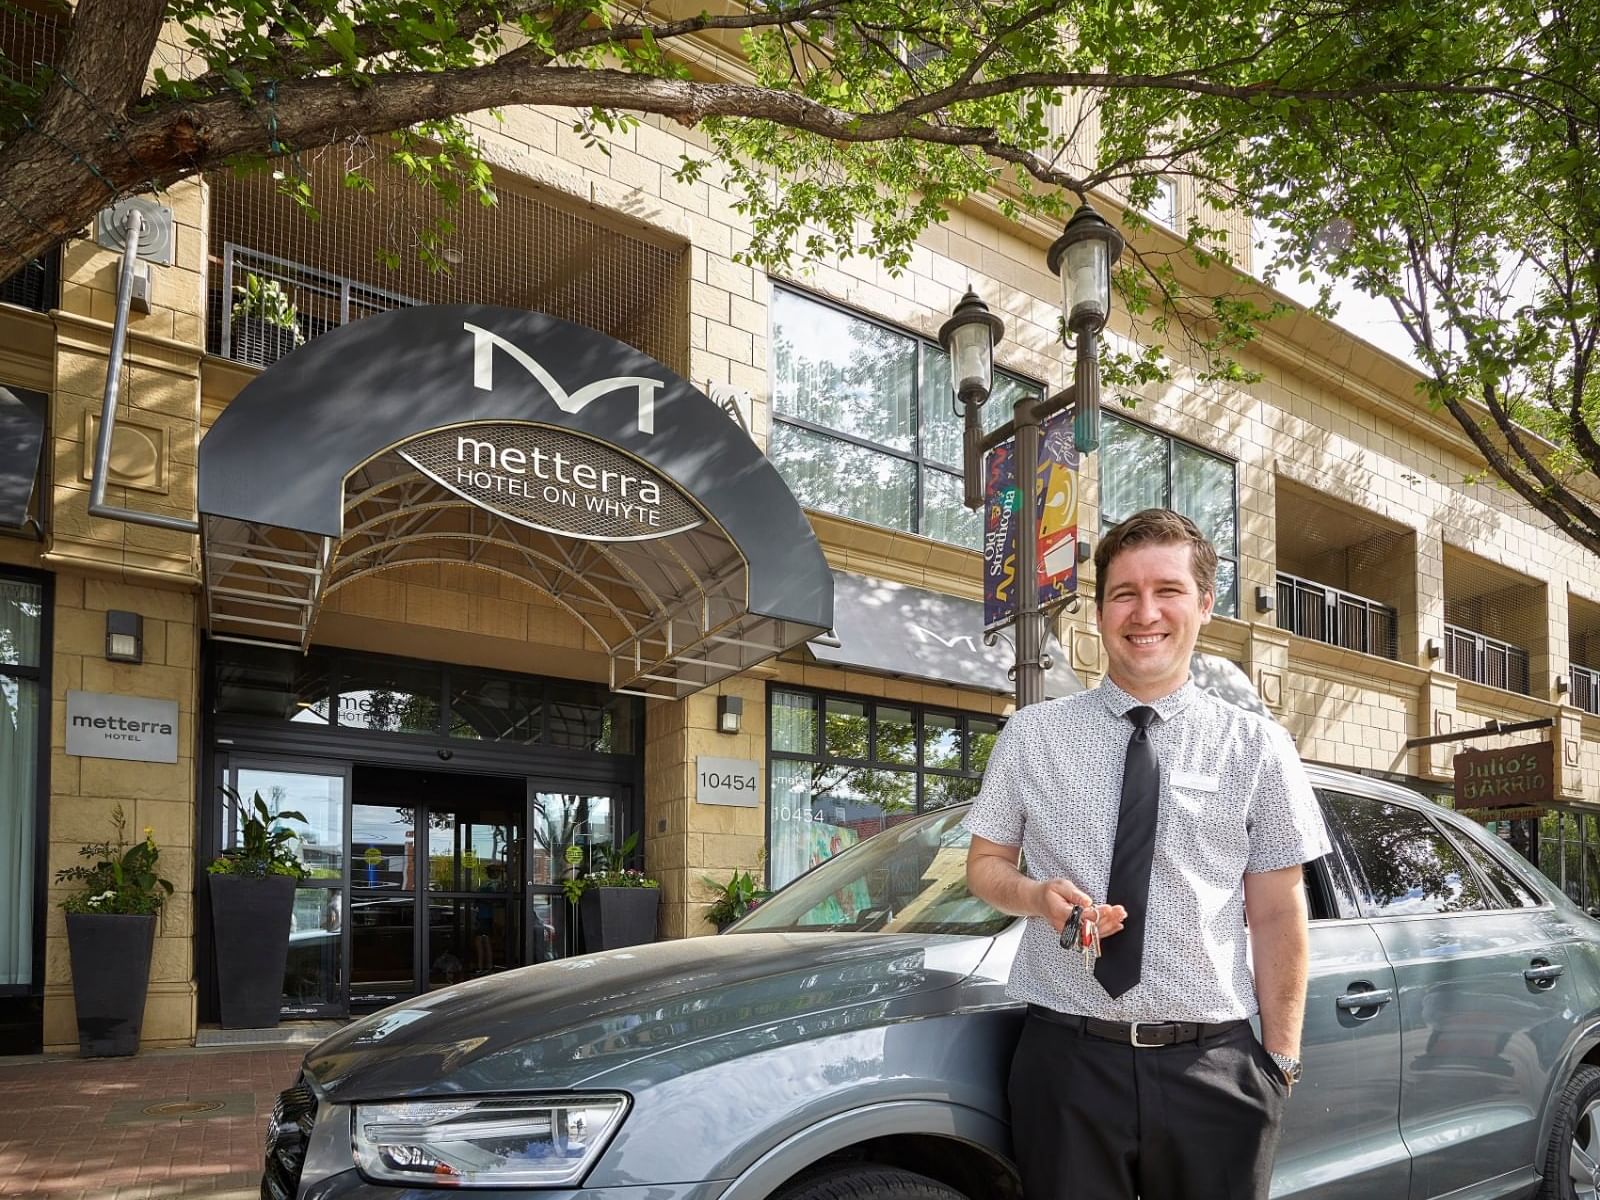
x,y
252,909
111,923
617,906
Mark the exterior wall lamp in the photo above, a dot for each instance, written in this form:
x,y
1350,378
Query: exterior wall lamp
x,y
1434,649
730,710
1561,685
1266,599
124,637
1082,258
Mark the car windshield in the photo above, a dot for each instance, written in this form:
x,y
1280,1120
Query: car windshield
x,y
911,878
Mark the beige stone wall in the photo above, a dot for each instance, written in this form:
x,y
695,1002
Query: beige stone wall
x,y
84,791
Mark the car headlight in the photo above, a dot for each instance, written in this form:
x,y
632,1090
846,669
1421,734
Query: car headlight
x,y
546,1141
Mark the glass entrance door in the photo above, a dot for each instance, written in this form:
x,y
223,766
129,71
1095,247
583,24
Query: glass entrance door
x,y
436,891
572,831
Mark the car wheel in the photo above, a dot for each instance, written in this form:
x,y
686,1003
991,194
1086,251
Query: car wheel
x,y
1572,1164
870,1183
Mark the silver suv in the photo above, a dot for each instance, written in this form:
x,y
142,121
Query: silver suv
x,y
850,1040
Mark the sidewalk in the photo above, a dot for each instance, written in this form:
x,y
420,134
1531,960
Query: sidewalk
x,y
165,1123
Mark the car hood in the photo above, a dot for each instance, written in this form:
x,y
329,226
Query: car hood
x,y
563,1023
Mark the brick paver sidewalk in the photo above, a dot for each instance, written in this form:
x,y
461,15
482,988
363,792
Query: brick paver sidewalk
x,y
165,1123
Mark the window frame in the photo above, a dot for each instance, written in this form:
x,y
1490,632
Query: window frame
x,y
40,676
818,752
918,457
1171,440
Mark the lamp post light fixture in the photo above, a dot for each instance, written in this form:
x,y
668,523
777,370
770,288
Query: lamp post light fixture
x,y
1082,257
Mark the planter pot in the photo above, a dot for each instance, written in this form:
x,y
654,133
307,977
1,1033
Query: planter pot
x,y
250,921
261,342
110,974
614,917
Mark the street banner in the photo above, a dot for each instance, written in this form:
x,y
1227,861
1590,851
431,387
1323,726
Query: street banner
x,y
1056,493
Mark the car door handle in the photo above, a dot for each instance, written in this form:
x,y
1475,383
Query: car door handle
x,y
1371,998
1542,973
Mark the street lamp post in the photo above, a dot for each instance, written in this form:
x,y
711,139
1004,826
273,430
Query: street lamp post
x,y
1082,257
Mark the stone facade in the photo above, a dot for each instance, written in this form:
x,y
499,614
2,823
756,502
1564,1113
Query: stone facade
x,y
1330,419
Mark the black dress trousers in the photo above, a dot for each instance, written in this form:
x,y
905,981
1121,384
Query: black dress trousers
x,y
1099,1120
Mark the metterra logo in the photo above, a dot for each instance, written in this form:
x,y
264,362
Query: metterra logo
x,y
484,344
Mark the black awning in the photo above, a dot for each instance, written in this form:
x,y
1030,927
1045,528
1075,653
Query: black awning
x,y
21,440
522,444
896,629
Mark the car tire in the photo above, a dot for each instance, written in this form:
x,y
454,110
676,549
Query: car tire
x,y
1574,1140
870,1183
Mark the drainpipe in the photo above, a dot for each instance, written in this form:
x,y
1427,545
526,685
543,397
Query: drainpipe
x,y
133,224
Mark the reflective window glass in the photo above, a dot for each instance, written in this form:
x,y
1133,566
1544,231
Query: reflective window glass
x,y
941,740
945,517
1507,881
981,734
313,977
1404,863
495,708
23,693
383,845
794,722
388,696
839,477
284,685
21,609
833,369
318,798
897,735
845,729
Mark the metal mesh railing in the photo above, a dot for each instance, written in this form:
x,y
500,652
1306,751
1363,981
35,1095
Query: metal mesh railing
x,y
1586,689
35,286
1485,660
397,244
1338,618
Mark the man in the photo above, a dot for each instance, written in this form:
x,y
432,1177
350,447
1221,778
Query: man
x,y
1169,816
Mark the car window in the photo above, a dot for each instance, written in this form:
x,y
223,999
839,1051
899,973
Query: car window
x,y
1514,890
1402,862
908,879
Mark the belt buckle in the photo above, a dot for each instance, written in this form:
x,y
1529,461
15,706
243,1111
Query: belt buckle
x,y
1133,1036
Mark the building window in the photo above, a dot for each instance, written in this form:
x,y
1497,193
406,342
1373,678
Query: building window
x,y
864,424
842,768
1141,468
22,692
1163,206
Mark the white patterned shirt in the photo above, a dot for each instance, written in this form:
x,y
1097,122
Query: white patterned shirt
x,y
1234,799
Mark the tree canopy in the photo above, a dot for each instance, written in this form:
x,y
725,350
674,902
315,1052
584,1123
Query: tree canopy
x,y
1443,155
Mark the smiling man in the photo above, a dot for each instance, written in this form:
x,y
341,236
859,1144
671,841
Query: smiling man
x,y
1168,816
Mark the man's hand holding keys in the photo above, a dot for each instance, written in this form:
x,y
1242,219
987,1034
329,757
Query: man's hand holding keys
x,y
1057,898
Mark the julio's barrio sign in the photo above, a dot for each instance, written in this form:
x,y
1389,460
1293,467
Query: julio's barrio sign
x,y
1512,777
128,727
553,480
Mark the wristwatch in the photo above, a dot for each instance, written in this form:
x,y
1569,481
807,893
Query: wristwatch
x,y
1289,1066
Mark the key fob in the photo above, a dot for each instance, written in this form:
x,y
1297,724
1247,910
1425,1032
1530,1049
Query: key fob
x,y
1070,931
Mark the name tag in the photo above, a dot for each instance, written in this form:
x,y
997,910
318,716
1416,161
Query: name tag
x,y
1195,783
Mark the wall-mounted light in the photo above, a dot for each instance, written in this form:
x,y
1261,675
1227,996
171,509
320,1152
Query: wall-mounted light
x,y
1434,649
1561,685
1085,549
124,637
729,710
1266,599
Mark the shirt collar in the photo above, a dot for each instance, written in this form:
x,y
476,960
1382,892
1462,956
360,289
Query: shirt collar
x,y
1169,706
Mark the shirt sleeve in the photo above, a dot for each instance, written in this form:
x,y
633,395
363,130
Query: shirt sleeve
x,y
1285,820
999,812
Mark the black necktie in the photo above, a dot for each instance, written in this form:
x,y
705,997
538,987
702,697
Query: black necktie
x,y
1121,955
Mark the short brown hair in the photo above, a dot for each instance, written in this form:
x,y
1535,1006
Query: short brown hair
x,y
1157,527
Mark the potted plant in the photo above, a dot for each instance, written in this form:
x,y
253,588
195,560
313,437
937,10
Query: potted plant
x,y
111,925
266,323
738,896
617,906
252,906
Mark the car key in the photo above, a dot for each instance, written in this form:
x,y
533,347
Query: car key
x,y
1089,937
1071,931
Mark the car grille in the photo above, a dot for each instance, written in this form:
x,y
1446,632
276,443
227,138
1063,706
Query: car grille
x,y
289,1133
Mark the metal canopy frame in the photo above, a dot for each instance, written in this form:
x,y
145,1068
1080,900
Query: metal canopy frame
x,y
670,613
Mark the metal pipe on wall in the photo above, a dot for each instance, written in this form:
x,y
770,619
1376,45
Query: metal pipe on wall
x,y
134,225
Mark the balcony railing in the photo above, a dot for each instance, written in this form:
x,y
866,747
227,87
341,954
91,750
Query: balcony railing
x,y
1326,614
313,303
1586,688
1485,659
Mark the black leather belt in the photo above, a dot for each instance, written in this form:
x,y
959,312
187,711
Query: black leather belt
x,y
1142,1034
